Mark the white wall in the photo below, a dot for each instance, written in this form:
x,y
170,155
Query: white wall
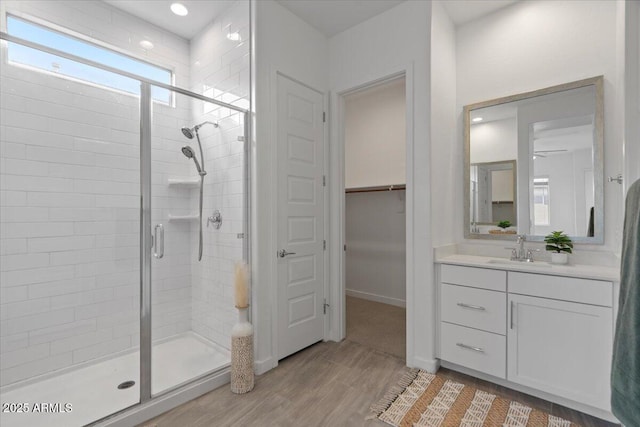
x,y
393,42
446,157
286,44
222,73
631,55
70,202
494,141
375,225
375,136
536,44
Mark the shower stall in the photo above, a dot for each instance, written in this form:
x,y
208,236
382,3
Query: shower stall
x,y
117,250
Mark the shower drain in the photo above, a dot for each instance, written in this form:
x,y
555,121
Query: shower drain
x,y
126,385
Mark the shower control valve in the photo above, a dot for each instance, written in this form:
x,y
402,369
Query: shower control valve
x,y
215,219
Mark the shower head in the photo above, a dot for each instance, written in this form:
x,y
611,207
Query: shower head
x,y
188,132
188,152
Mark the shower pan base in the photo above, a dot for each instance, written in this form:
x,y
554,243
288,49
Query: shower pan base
x,y
93,390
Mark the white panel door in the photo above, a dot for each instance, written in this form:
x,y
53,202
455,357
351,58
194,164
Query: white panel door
x,y
563,348
300,233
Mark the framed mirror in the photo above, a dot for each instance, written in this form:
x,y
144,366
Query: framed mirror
x,y
533,164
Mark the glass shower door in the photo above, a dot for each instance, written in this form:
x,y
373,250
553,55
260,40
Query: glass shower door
x,y
196,217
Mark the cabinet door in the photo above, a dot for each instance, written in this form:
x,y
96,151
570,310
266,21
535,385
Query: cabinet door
x,y
560,347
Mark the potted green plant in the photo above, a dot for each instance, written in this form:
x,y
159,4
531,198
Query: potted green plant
x,y
560,246
503,228
504,224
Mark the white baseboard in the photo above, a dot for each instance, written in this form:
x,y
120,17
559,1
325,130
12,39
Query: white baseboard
x,y
429,365
265,365
377,298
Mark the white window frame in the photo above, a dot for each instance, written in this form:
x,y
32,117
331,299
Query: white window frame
x,y
543,181
50,26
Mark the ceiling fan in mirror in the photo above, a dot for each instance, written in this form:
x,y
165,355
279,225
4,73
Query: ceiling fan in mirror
x,y
543,153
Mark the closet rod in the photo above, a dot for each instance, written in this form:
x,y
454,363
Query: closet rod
x,y
378,188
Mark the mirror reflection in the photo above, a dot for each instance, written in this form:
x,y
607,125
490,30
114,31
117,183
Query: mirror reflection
x,y
534,163
493,192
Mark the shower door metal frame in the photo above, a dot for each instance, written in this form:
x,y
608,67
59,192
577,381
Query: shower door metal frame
x,y
146,237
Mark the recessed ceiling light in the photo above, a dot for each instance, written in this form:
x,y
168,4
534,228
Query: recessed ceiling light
x,y
234,36
477,119
179,9
146,44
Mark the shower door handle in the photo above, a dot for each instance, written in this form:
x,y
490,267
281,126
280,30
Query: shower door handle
x,y
158,243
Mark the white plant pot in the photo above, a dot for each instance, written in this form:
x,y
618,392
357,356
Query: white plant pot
x,y
559,258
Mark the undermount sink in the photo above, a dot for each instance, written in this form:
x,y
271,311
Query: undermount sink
x,y
520,263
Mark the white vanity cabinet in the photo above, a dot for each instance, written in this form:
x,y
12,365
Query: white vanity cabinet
x,y
558,346
473,312
551,334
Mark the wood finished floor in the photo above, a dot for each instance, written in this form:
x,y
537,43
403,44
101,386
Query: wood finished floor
x,y
327,384
376,325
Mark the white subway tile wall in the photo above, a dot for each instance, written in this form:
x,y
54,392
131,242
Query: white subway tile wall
x,y
220,69
70,196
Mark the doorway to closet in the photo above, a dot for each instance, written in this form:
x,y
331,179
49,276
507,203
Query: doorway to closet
x,y
375,216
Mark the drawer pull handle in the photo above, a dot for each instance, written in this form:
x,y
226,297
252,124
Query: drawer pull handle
x,y
473,307
469,347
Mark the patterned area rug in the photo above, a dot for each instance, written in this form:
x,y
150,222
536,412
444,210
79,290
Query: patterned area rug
x,y
421,399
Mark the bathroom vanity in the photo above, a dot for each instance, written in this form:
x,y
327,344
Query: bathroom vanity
x,y
543,329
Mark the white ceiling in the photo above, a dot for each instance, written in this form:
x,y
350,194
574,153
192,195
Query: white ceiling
x,y
201,13
334,16
328,16
462,11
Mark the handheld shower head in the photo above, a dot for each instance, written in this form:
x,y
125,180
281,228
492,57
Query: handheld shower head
x,y
188,152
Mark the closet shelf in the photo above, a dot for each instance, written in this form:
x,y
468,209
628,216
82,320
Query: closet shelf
x,y
393,187
182,217
184,181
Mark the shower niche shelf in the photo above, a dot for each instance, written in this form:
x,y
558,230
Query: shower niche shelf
x,y
184,181
174,218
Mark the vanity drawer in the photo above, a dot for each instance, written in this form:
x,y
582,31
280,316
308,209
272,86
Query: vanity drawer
x,y
481,351
476,308
587,291
484,278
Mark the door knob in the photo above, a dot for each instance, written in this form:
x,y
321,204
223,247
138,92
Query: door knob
x,y
283,253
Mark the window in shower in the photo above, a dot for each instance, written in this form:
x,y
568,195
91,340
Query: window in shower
x,y
43,61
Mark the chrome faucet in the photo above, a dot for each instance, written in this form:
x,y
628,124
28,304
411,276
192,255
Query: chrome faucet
x,y
520,253
520,239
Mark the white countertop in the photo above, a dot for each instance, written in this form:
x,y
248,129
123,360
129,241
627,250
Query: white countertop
x,y
596,272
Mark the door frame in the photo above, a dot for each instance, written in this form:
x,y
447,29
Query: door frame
x,y
336,242
274,73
